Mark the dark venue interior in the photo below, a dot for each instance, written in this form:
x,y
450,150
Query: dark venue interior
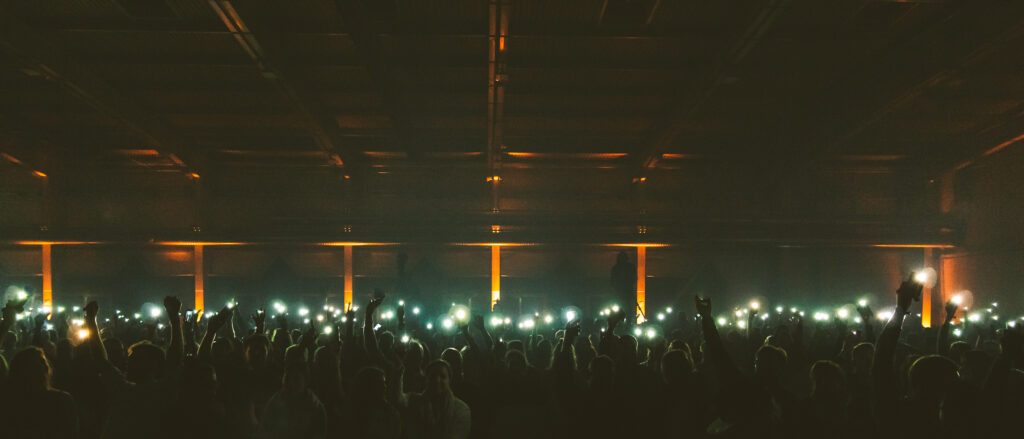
x,y
497,218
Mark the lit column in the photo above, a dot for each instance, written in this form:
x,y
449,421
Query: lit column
x,y
348,278
926,294
495,275
200,274
47,277
641,284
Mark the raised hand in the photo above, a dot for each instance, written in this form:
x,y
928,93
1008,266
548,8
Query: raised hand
x,y
950,311
478,322
91,309
219,320
13,307
373,305
703,306
259,320
172,305
865,313
909,291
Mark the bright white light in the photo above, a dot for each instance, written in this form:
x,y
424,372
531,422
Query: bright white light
x,y
344,319
742,324
792,310
605,312
447,323
44,310
651,333
974,317
764,317
401,303
755,305
137,316
60,309
154,312
460,314
570,315
387,315
738,313
305,321
957,300
722,321
158,326
508,320
430,326
328,329
668,310
327,307
661,316
1011,324
280,308
548,319
843,313
21,295
921,277
49,326
779,309
83,334
117,311
416,311
862,303
303,312
319,317
995,317
230,304
75,308
495,321
637,332
995,304
958,332
405,338
884,315
615,308
857,320
528,324
820,316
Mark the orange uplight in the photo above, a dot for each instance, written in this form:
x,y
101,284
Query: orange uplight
x,y
492,244
47,277
194,243
912,246
199,274
193,175
501,43
348,279
39,174
352,244
640,245
495,275
493,178
54,242
641,283
496,229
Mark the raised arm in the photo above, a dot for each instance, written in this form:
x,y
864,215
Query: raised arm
x,y
96,347
866,316
12,308
213,325
369,336
942,344
259,320
724,365
176,351
883,374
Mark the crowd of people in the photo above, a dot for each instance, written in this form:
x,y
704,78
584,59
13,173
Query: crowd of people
x,y
688,375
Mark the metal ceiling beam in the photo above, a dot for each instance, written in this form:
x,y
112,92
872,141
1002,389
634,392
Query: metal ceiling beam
x,y
499,13
916,89
320,125
650,153
370,49
43,55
